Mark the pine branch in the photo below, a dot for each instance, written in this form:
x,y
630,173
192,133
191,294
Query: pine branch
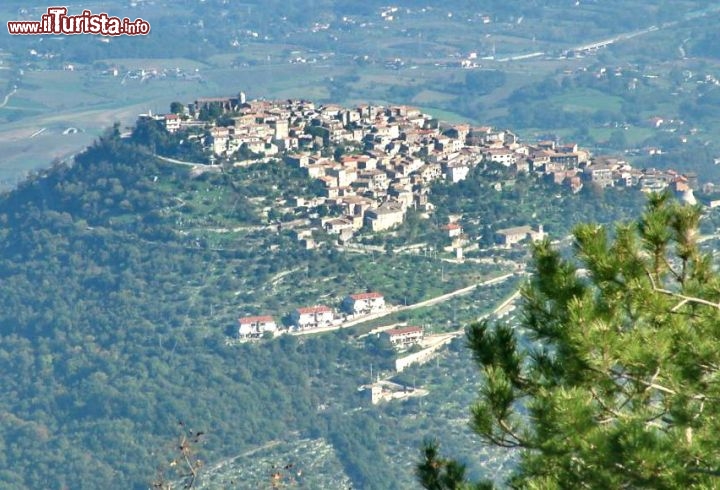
x,y
519,441
684,299
678,277
647,384
704,471
604,406
655,376
675,308
504,443
652,421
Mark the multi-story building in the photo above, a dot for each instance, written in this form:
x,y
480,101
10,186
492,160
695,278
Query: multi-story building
x,y
511,236
364,303
385,216
405,336
255,326
312,317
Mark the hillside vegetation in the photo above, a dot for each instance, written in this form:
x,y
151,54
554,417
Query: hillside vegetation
x,y
119,290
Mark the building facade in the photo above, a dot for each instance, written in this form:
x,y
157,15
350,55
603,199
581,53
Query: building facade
x,y
364,303
255,326
312,317
405,336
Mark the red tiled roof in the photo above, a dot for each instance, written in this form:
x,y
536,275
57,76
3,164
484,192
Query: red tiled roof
x,y
404,330
360,296
255,319
171,116
451,226
313,309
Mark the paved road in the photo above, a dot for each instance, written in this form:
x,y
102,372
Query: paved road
x,y
181,162
459,292
7,97
429,302
625,36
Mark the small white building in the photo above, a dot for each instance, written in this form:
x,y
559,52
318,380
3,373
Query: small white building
x,y
453,230
456,173
405,336
364,303
385,216
255,326
172,123
510,236
312,317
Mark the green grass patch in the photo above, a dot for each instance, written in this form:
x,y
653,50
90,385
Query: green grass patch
x,y
312,92
430,97
634,135
587,100
23,104
155,63
55,90
447,116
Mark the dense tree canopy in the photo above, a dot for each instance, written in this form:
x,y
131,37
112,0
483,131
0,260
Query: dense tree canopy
x,y
617,386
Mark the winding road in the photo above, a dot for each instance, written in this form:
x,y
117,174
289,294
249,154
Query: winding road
x,y
422,304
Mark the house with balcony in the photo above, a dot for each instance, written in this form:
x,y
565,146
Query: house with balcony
x,y
172,123
364,303
405,336
256,326
312,317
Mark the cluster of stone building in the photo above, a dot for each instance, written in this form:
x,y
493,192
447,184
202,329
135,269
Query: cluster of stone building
x,y
614,172
397,152
314,317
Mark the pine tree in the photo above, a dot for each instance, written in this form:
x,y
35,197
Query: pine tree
x,y
620,384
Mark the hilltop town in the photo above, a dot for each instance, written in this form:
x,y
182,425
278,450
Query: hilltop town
x,y
372,164
376,162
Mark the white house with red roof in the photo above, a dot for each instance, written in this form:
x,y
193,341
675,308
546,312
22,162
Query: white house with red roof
x,y
364,303
404,336
255,326
453,229
172,122
312,317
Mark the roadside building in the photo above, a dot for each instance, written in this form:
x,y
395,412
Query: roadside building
x,y
405,336
255,326
364,303
511,236
312,317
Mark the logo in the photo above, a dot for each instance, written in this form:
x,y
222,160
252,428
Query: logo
x,y
57,21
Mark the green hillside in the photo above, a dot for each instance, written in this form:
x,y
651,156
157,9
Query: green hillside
x,y
121,285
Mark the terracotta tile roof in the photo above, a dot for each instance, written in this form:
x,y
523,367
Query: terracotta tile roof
x,y
255,319
404,330
313,309
361,296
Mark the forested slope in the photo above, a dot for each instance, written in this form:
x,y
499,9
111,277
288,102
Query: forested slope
x,y
104,343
